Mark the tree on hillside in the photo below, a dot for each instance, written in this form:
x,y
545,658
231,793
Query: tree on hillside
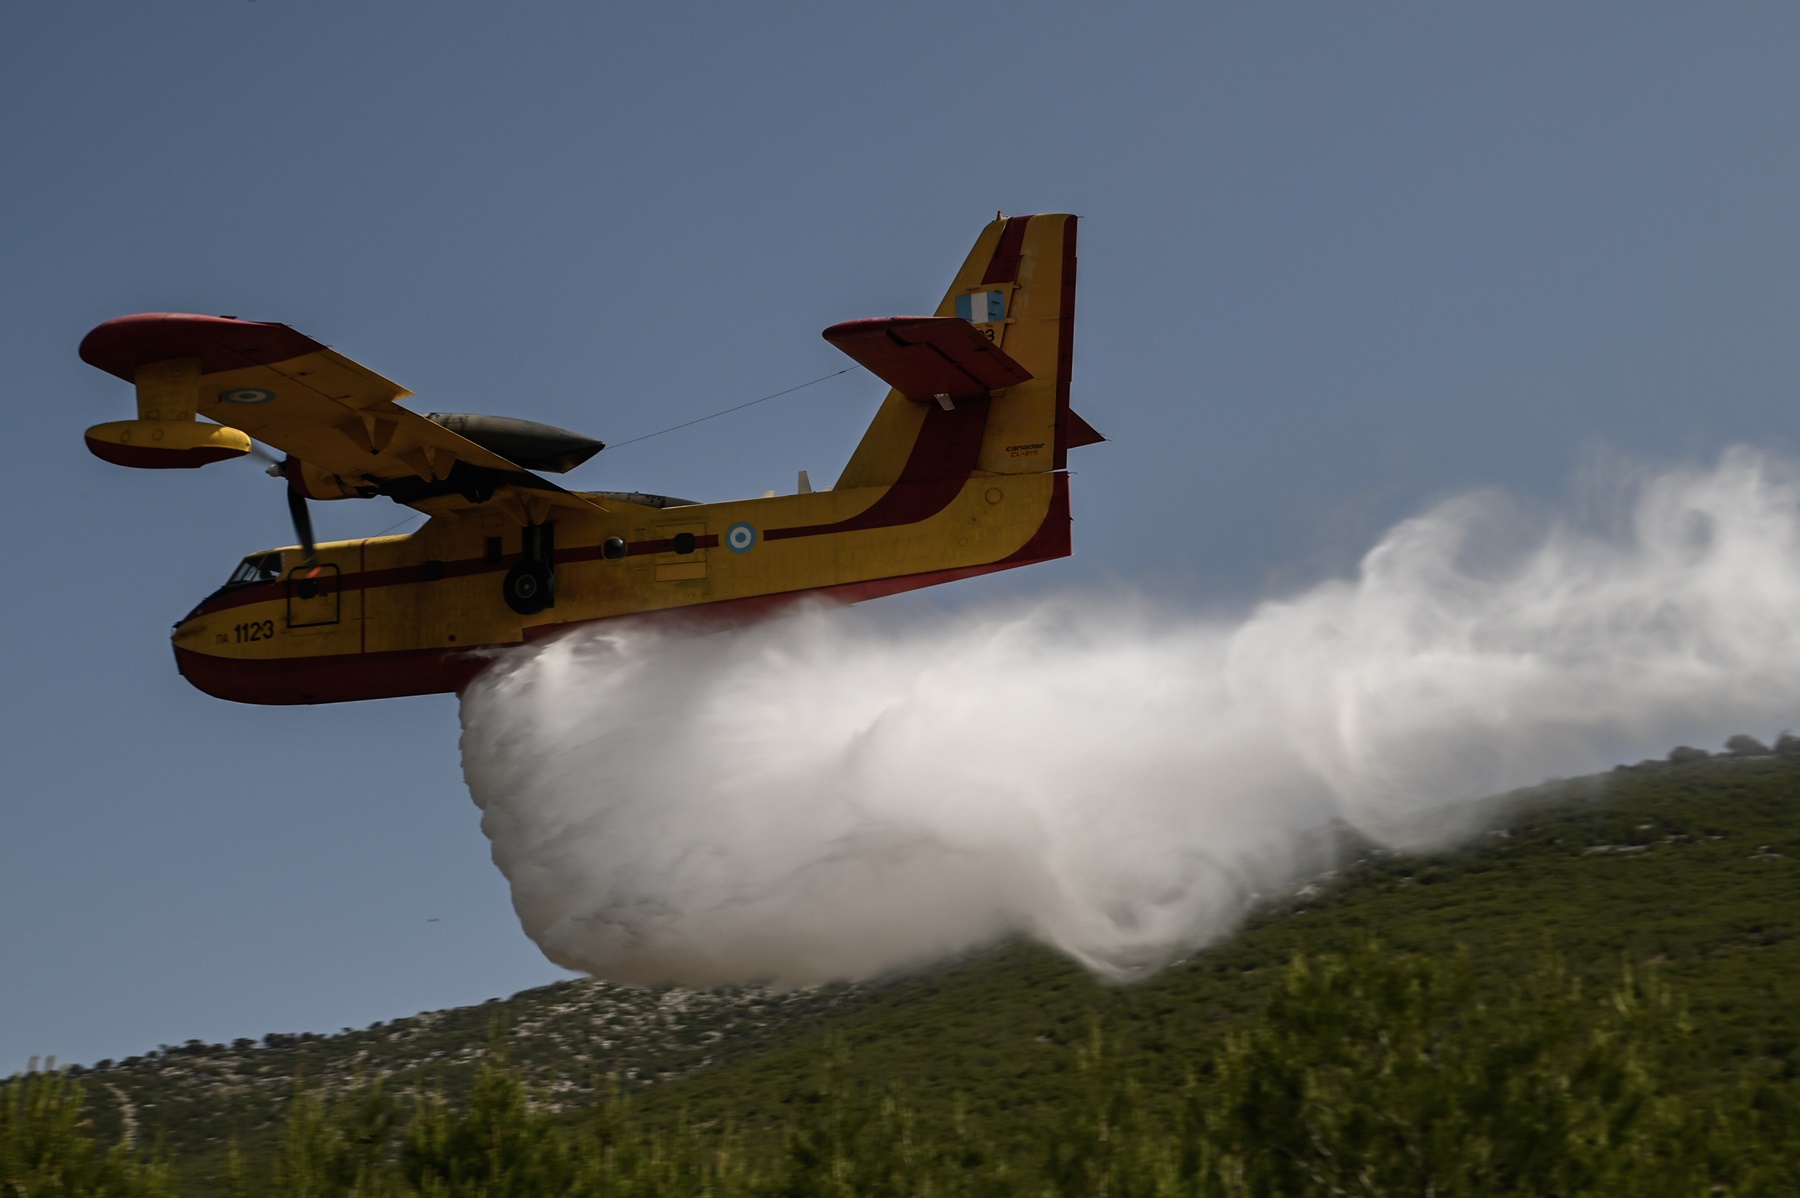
x,y
48,1149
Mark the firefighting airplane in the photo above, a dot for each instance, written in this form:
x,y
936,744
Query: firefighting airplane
x,y
962,473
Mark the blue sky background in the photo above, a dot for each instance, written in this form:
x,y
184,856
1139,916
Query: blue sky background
x,y
1338,260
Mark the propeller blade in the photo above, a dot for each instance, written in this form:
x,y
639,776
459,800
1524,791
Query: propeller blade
x,y
302,522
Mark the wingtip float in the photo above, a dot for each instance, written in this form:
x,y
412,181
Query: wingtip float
x,y
962,473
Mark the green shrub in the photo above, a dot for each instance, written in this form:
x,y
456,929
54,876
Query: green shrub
x,y
47,1150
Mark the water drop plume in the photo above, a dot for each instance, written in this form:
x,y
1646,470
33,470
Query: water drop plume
x,y
837,794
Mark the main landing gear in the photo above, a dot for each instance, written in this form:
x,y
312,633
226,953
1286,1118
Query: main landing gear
x,y
530,586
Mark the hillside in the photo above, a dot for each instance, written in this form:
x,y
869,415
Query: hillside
x,y
1692,869
570,1038
1688,868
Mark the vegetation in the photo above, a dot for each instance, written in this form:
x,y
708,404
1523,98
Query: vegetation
x,y
48,1150
1599,998
1372,1072
566,1038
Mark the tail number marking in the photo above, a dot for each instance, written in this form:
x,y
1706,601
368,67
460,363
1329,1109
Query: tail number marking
x,y
256,630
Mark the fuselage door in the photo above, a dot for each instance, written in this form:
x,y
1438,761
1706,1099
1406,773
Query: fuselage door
x,y
313,597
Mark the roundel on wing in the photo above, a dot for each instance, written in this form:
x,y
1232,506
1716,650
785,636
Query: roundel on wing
x,y
247,395
740,538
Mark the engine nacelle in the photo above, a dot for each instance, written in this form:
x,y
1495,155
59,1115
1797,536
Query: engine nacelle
x,y
532,445
165,444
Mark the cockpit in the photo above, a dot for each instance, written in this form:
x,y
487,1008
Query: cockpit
x,y
258,567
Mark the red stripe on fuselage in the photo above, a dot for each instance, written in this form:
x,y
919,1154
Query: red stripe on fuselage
x,y
351,677
947,440
361,580
393,576
943,456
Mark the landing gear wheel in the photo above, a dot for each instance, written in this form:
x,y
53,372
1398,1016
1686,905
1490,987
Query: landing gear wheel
x,y
529,588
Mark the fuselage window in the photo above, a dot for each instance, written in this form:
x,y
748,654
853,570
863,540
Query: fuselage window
x,y
258,567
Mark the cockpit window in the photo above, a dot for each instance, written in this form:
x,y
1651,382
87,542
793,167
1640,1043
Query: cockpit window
x,y
258,567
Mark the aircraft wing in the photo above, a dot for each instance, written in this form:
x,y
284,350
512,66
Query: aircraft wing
x,y
339,419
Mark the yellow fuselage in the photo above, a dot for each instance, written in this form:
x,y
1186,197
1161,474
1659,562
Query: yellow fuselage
x,y
400,615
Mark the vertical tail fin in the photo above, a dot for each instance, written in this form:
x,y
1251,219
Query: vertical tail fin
x,y
1017,288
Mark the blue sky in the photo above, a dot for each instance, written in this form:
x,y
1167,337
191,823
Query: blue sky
x,y
1337,261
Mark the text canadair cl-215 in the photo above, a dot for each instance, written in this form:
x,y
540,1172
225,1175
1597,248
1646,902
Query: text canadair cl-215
x,y
962,473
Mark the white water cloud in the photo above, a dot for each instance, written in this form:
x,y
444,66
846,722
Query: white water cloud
x,y
835,794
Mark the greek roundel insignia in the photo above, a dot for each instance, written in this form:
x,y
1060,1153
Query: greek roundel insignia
x,y
247,395
740,538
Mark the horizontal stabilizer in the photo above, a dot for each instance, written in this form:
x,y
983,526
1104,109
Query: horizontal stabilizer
x,y
923,357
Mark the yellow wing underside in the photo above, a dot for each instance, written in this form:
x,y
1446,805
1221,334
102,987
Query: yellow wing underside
x,y
341,420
